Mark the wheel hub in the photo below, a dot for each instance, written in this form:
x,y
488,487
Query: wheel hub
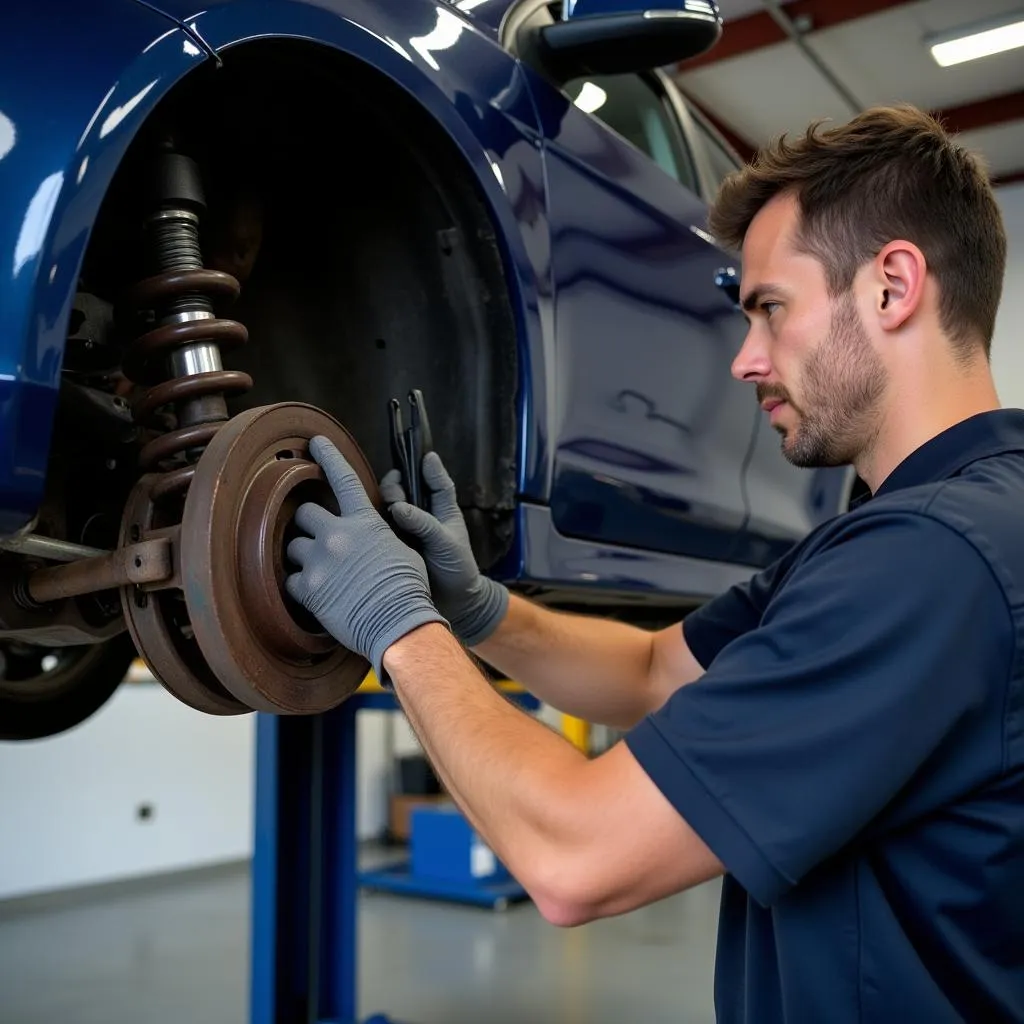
x,y
231,639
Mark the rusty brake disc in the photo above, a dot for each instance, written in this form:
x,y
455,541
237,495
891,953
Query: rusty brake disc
x,y
159,623
265,649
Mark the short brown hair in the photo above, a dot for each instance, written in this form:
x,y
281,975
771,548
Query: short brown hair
x,y
890,172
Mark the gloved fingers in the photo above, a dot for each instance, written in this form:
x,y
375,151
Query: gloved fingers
x,y
295,584
442,488
391,489
416,521
344,481
312,518
299,550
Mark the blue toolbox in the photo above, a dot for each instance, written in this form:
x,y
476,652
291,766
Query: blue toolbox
x,y
447,860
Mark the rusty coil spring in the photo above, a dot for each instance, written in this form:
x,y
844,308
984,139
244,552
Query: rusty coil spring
x,y
142,365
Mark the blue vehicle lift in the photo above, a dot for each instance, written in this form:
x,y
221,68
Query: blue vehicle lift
x,y
305,877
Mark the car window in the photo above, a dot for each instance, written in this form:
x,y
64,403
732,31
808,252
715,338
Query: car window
x,y
631,107
721,161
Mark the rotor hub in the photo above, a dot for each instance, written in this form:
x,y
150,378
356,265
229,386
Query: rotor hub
x,y
228,638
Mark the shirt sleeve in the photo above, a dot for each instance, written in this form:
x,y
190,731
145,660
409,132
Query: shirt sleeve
x,y
737,611
877,650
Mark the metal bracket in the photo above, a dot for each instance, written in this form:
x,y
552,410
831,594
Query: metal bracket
x,y
147,562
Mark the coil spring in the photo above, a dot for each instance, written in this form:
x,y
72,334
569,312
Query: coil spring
x,y
180,297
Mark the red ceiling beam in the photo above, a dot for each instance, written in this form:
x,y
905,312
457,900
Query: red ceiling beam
x,y
968,117
1008,179
983,113
756,31
986,114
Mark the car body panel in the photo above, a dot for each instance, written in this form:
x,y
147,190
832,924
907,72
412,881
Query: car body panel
x,y
488,14
652,428
469,87
637,452
786,501
62,147
587,570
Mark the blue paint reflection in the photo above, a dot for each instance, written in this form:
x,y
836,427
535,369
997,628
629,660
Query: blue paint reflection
x,y
443,36
37,217
7,135
118,114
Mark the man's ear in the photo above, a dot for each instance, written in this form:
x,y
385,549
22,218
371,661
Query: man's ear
x,y
899,276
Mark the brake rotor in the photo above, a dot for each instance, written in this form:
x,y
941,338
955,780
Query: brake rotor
x,y
158,620
263,647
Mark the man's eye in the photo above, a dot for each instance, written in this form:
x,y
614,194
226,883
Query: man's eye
x,y
769,308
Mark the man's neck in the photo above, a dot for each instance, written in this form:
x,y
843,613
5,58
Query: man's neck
x,y
914,416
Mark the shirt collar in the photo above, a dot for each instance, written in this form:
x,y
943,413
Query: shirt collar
x,y
948,453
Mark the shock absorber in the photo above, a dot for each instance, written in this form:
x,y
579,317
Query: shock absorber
x,y
179,358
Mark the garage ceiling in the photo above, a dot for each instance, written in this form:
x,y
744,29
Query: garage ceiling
x,y
758,83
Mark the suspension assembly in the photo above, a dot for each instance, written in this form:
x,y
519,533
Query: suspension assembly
x,y
200,563
185,342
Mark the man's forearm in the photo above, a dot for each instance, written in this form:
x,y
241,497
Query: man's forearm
x,y
523,806
595,669
563,824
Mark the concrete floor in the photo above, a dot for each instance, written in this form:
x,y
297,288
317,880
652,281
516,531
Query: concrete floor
x,y
175,951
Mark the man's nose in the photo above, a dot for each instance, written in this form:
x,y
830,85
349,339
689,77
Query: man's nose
x,y
752,362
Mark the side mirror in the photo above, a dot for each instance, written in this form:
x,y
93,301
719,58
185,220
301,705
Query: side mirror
x,y
609,37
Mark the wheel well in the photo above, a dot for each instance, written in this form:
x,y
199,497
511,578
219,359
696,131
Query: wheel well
x,y
368,259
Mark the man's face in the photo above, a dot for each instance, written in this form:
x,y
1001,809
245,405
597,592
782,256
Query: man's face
x,y
818,376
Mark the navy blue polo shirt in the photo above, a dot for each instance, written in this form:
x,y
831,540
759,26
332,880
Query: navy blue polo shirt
x,y
854,752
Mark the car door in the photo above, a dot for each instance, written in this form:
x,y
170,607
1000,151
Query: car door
x,y
785,501
651,430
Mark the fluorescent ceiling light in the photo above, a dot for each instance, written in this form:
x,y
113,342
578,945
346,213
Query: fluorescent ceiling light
x,y
974,41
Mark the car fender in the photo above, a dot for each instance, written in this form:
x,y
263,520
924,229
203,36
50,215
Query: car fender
x,y
69,143
75,90
457,71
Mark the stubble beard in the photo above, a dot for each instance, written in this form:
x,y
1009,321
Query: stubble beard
x,y
843,384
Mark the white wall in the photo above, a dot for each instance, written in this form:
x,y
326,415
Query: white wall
x,y
1008,343
68,803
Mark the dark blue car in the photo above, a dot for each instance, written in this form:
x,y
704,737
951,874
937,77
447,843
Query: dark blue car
x,y
227,228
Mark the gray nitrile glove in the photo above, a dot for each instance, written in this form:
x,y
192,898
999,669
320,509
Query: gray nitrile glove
x,y
470,601
362,583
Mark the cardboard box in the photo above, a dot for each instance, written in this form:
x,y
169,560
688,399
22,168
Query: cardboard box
x,y
402,806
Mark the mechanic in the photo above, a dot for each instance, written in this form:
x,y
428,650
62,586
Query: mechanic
x,y
843,736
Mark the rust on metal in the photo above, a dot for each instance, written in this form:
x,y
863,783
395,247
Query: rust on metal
x,y
174,441
181,389
159,622
173,480
66,624
171,284
148,349
147,562
249,481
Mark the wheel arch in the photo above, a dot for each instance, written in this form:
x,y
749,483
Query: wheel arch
x,y
475,316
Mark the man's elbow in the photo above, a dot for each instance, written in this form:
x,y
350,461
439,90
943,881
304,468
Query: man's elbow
x,y
563,913
563,897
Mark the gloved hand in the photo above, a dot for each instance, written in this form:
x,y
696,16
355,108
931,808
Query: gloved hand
x,y
470,601
362,583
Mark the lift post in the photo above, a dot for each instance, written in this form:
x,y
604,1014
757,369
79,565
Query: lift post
x,y
305,879
304,940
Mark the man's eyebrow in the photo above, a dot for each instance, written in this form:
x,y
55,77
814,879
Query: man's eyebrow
x,y
753,297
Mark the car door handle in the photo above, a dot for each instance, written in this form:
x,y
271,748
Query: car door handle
x,y
726,279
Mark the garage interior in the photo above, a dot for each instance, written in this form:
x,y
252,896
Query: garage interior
x,y
127,895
